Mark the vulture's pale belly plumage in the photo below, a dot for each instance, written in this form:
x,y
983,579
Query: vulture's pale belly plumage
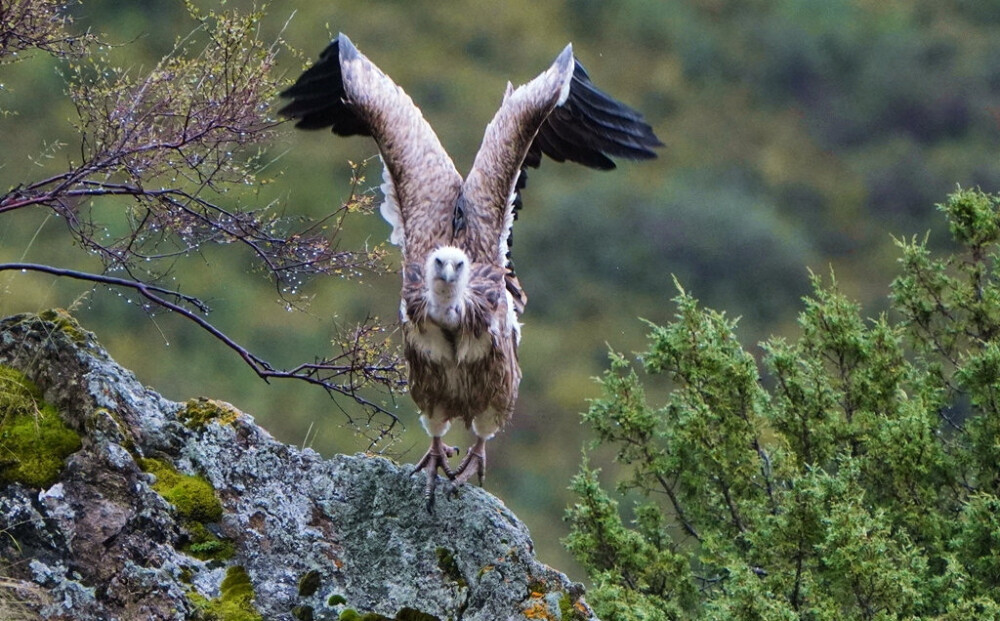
x,y
438,346
460,299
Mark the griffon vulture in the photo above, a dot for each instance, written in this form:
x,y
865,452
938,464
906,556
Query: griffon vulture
x,y
460,297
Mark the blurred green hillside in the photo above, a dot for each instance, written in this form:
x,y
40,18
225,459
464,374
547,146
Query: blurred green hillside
x,y
799,133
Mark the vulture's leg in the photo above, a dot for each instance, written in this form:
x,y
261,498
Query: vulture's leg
x,y
484,426
435,457
474,462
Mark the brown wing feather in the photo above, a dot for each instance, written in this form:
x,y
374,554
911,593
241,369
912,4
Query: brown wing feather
x,y
414,293
560,114
486,299
489,188
347,92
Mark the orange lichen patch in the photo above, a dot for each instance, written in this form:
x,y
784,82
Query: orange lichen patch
x,y
538,610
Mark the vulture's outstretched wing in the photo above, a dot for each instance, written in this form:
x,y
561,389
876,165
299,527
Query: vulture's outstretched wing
x,y
560,114
348,93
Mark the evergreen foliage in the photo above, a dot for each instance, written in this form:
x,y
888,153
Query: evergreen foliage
x,y
854,474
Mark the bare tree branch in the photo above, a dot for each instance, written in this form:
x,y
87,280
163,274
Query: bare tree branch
x,y
173,155
40,25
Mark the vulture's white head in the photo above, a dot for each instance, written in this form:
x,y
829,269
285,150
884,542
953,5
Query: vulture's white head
x,y
447,275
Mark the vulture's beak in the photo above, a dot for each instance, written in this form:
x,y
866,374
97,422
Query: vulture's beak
x,y
448,273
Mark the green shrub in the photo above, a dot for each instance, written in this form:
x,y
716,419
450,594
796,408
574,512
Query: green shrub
x,y
852,473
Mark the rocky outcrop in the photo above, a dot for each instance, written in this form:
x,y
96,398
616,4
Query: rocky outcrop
x,y
166,510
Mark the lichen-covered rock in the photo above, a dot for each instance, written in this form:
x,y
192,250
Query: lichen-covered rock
x,y
130,529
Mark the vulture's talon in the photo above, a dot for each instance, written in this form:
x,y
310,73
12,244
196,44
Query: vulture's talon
x,y
435,457
477,455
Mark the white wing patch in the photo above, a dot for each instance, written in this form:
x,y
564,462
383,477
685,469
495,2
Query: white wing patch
x,y
404,317
508,226
390,207
515,325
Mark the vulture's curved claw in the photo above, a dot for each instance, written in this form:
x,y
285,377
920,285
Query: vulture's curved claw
x,y
477,456
435,457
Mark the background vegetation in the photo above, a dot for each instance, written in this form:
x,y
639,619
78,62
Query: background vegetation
x,y
799,134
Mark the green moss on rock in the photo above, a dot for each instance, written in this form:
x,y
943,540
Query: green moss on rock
x,y
538,586
34,440
207,546
193,496
235,601
309,583
303,613
353,615
196,504
448,566
236,585
66,324
569,609
201,411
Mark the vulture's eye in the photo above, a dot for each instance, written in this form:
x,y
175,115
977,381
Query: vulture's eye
x,y
438,262
460,265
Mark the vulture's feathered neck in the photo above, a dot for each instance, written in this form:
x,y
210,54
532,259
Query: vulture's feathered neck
x,y
447,276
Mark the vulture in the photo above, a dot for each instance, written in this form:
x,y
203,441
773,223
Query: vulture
x,y
461,299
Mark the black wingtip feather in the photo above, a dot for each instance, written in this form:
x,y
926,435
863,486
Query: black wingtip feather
x,y
591,127
318,99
